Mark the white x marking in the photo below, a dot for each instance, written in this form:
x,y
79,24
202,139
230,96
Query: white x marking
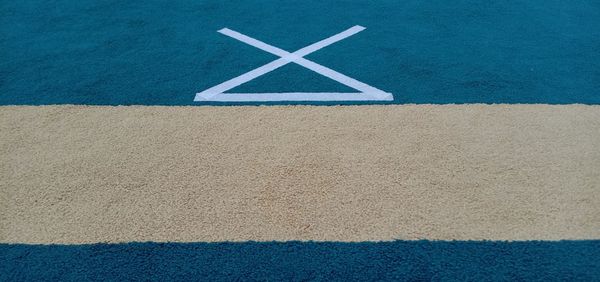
x,y
366,93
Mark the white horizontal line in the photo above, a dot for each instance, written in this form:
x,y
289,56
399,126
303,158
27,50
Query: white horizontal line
x,y
292,96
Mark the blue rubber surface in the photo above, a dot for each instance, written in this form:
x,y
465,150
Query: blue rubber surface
x,y
163,52
399,260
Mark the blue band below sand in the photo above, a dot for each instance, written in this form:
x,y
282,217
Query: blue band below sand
x,y
404,260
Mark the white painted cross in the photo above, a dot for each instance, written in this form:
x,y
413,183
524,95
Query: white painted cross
x,y
366,92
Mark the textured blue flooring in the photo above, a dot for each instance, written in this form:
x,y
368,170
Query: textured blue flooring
x,y
163,52
302,261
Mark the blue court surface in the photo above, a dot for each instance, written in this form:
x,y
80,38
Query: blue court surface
x,y
164,52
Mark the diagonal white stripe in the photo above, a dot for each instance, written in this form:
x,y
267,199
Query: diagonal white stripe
x,y
328,41
229,84
341,78
254,42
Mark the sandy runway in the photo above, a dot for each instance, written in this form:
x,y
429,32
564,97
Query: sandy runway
x,y
79,174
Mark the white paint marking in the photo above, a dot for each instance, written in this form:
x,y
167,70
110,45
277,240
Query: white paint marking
x,y
292,96
254,42
367,92
219,89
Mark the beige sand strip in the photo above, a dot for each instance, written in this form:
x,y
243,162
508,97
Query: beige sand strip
x,y
73,174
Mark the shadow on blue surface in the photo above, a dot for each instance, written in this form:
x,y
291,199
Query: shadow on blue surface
x,y
397,260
